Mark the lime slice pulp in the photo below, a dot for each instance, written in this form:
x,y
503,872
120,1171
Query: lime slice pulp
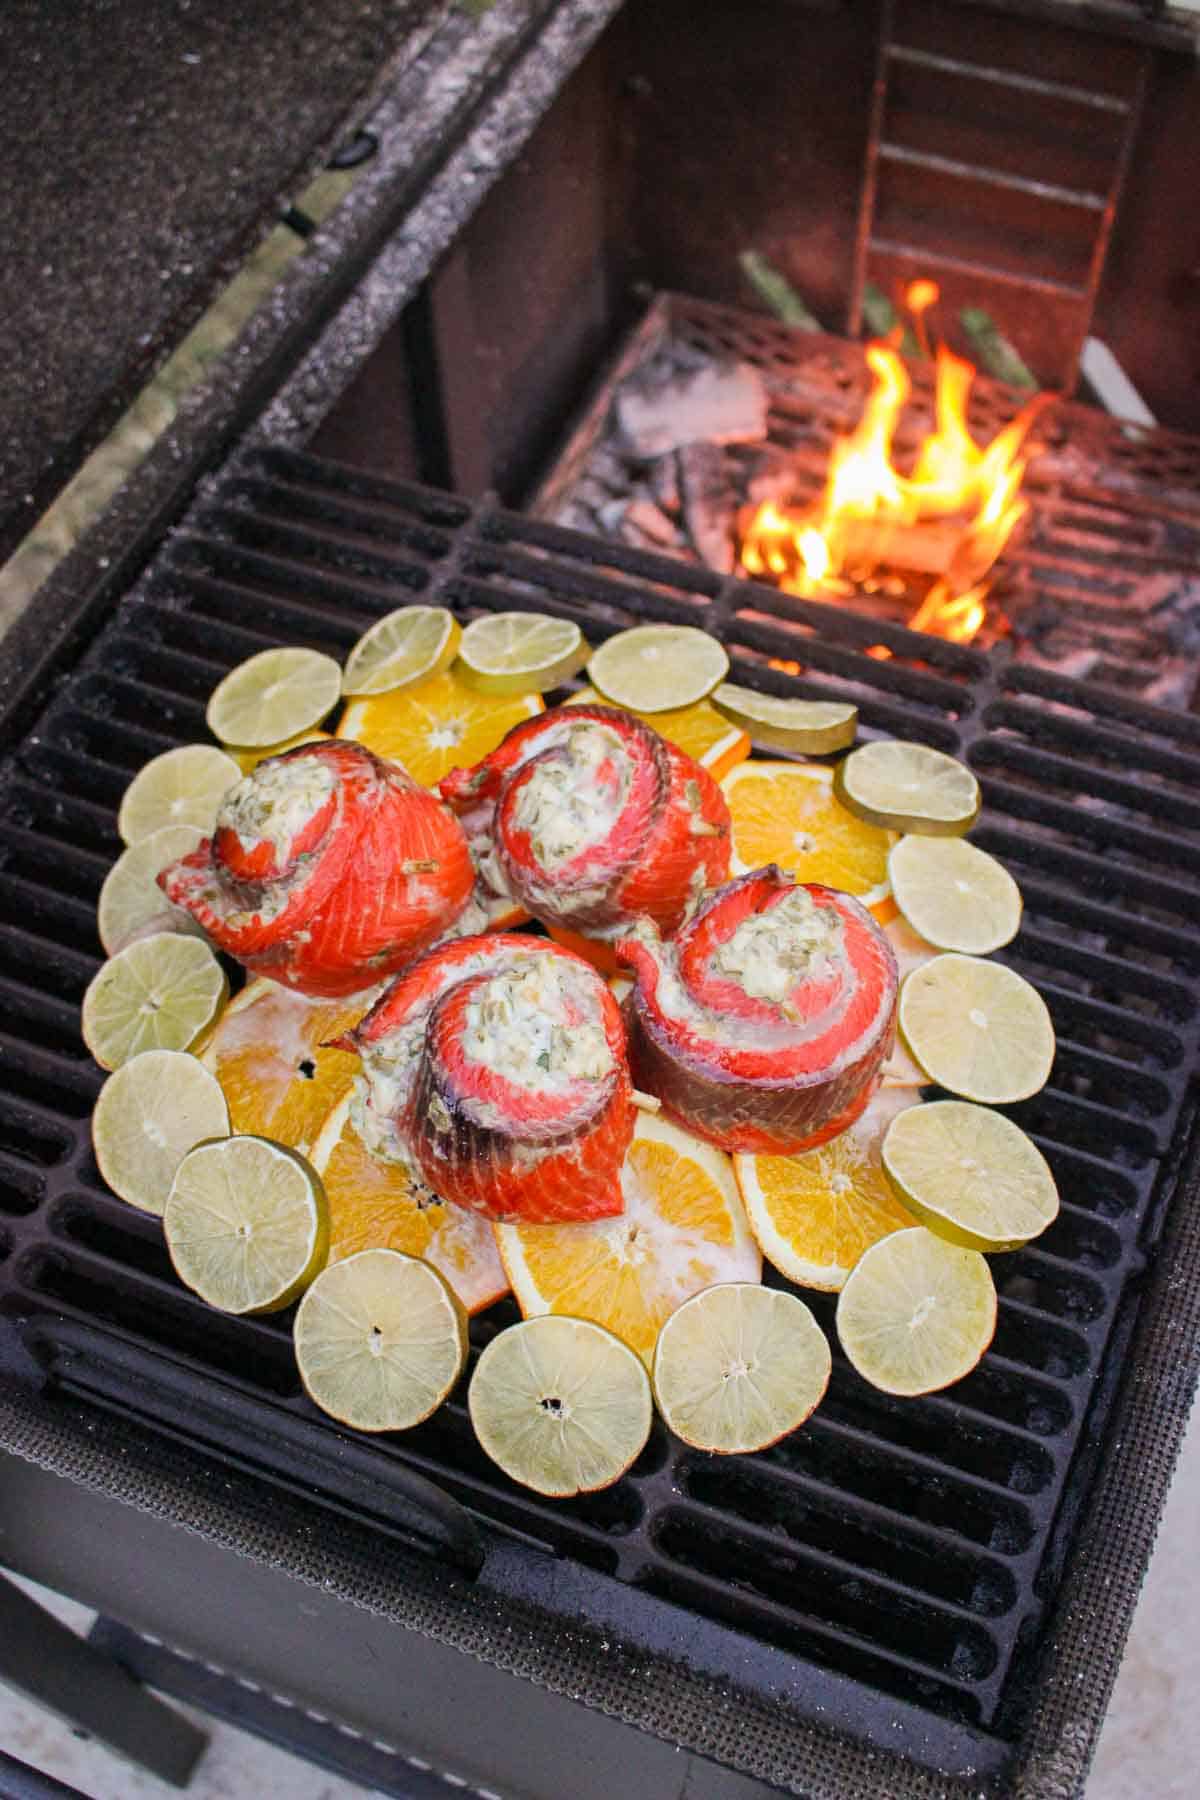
x,y
917,1313
908,787
955,896
159,993
811,727
180,787
977,1029
970,1175
246,1224
519,653
149,1114
404,647
653,668
273,696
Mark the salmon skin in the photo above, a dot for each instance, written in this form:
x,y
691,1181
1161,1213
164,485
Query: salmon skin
x,y
495,1069
764,1025
589,819
329,869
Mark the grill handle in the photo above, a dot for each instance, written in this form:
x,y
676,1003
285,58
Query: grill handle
x,y
290,1451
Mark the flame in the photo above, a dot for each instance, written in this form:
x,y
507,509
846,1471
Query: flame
x,y
949,519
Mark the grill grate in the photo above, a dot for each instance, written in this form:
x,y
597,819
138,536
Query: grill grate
x,y
912,1546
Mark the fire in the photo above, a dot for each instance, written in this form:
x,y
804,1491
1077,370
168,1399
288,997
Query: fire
x,y
948,520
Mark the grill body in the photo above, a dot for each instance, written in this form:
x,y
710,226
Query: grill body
x,y
896,1565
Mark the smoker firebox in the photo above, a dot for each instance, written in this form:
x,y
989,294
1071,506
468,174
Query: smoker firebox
x,y
922,1578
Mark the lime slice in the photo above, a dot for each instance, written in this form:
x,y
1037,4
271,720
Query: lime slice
x,y
977,1029
519,653
407,645
738,1367
814,727
272,696
953,895
246,1224
561,1404
147,1117
917,1313
158,994
908,787
131,898
656,667
970,1175
380,1340
180,787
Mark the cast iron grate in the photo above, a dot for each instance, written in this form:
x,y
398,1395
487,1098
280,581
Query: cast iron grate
x,y
912,1547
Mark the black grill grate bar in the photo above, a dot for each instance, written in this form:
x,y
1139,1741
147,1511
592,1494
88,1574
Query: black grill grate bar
x,y
230,622
791,1624
138,1285
929,1469
1122,930
445,512
25,1064
1081,1123
60,816
867,1579
113,696
1106,969
35,1139
1124,1085
29,1002
111,742
934,1539
1102,1017
1085,869
34,907
71,762
1065,775
297,552
1117,838
1089,740
22,1186
316,507
764,632
1077,1160
58,860
290,605
1105,704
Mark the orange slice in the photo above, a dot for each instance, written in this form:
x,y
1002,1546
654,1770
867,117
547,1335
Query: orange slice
x,y
266,1053
814,1214
437,725
683,1229
706,734
375,1206
788,813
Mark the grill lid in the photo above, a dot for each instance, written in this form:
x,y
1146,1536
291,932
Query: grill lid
x,y
905,1556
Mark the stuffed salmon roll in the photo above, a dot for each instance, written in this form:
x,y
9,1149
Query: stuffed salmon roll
x,y
328,870
589,820
495,1070
764,1024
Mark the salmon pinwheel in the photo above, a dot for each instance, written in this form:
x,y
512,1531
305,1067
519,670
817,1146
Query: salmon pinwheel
x,y
764,1024
328,870
494,1069
589,820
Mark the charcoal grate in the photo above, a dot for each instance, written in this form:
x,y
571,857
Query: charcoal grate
x,y
912,1547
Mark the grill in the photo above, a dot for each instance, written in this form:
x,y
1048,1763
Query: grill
x,y
905,1556
1104,581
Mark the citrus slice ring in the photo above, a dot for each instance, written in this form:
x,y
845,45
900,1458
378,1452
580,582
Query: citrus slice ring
x,y
789,814
955,896
561,1405
909,787
180,787
977,1029
520,653
655,668
738,1367
699,730
148,1115
160,993
375,1205
917,1313
272,696
911,952
811,727
400,649
131,899
271,1053
814,1215
380,1341
246,1224
683,1228
438,725
970,1175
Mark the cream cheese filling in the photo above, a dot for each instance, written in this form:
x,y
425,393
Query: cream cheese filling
x,y
563,804
518,1025
276,802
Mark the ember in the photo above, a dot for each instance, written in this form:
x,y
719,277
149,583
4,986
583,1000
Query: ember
x,y
947,521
